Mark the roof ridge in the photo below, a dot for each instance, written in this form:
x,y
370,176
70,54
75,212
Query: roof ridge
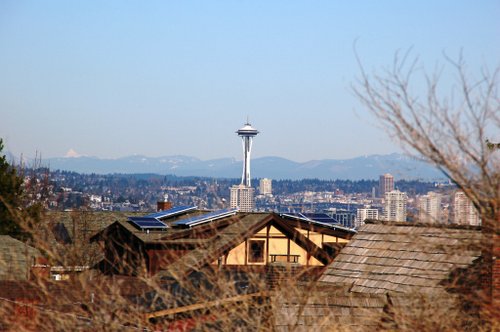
x,y
420,224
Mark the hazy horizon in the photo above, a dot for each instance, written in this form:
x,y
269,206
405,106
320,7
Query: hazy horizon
x,y
37,154
361,167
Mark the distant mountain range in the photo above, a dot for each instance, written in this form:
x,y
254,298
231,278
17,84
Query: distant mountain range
x,y
368,167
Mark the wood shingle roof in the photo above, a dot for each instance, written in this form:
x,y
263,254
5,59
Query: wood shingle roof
x,y
16,258
328,308
402,258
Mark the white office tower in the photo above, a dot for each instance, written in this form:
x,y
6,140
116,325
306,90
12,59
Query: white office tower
x,y
395,206
464,212
266,186
385,184
364,214
429,208
242,196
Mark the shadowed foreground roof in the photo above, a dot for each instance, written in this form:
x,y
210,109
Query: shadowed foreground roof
x,y
390,277
16,258
403,258
328,308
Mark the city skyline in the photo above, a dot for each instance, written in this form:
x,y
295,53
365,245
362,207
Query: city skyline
x,y
121,78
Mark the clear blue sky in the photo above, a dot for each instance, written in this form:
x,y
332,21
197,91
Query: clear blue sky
x,y
115,78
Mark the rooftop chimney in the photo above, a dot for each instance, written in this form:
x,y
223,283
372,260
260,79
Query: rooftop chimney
x,y
163,204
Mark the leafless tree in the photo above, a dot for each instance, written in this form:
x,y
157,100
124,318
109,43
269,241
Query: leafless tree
x,y
453,133
459,134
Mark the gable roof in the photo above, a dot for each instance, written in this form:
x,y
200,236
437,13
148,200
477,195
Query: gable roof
x,y
63,229
16,258
403,258
234,234
390,276
153,236
74,226
224,240
159,236
207,242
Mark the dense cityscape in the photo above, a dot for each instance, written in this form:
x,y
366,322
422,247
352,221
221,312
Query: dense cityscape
x,y
70,191
347,203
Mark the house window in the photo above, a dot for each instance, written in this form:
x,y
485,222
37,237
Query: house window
x,y
256,251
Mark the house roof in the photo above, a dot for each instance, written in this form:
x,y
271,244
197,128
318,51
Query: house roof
x,y
245,225
72,226
211,240
72,304
327,308
402,258
156,236
64,229
389,275
15,289
16,258
224,240
153,236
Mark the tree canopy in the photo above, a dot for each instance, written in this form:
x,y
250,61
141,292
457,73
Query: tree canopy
x,y
10,197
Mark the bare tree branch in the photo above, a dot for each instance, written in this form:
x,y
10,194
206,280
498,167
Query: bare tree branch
x,y
450,134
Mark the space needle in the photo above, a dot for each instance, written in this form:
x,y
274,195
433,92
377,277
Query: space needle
x,y
247,133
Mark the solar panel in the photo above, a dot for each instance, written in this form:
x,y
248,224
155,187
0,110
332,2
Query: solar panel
x,y
147,222
190,222
297,216
323,217
175,211
303,217
320,217
152,221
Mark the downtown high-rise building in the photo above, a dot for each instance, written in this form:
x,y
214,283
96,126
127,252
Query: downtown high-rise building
x,y
395,206
242,196
265,186
385,184
464,212
429,207
363,214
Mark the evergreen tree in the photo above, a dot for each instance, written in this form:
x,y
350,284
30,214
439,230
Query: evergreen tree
x,y
10,197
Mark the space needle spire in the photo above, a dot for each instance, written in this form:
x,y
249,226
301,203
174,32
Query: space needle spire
x,y
247,133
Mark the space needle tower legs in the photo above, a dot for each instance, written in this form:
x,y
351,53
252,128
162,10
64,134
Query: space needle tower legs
x,y
247,133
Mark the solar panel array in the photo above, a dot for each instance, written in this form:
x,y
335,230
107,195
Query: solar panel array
x,y
321,217
152,221
175,211
147,223
315,218
204,218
